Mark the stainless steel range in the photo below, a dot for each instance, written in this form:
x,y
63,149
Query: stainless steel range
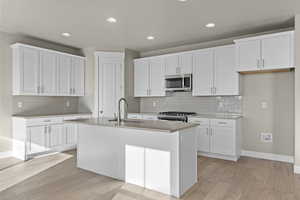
x,y
175,116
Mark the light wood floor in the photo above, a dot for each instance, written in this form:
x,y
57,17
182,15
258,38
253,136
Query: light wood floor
x,y
8,162
248,179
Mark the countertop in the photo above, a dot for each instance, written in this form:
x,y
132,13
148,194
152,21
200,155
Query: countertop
x,y
151,125
31,116
204,115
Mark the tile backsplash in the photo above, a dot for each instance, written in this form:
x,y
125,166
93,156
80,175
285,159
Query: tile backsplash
x,y
184,101
44,105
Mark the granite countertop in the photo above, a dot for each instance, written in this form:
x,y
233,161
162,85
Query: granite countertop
x,y
217,116
30,116
151,125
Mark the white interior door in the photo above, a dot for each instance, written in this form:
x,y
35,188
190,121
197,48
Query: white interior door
x,y
30,62
277,52
156,77
55,135
172,65
203,138
223,140
186,63
65,65
78,69
37,141
226,79
157,170
248,55
203,72
141,78
48,73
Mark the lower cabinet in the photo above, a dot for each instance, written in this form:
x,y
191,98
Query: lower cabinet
x,y
218,138
148,168
36,136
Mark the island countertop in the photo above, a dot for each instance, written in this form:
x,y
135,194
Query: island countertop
x,y
153,125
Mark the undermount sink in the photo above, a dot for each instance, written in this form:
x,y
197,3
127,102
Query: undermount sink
x,y
126,121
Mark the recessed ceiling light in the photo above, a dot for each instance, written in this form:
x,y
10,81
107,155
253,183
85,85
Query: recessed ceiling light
x,y
111,20
182,0
66,34
210,25
150,38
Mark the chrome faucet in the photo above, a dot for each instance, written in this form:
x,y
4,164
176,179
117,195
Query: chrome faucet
x,y
119,119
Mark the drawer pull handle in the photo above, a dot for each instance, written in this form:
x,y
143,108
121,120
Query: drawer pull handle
x,y
222,123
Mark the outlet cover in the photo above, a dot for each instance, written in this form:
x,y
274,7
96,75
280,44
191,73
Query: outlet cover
x,y
154,104
68,104
264,105
20,104
266,137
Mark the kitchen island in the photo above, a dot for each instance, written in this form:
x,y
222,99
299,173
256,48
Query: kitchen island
x,y
158,155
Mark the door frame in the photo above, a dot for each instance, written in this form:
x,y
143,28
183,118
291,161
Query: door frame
x,y
106,55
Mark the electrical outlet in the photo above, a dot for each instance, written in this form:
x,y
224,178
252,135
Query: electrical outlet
x,y
68,104
154,104
264,105
20,104
266,137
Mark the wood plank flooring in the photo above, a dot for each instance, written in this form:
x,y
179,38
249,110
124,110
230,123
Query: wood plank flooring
x,y
248,179
8,162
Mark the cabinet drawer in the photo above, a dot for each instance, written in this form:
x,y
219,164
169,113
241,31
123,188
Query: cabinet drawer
x,y
44,121
200,121
135,116
77,117
222,123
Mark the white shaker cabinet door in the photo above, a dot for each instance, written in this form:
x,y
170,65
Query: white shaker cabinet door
x,y
158,170
172,65
55,133
186,63
203,71
65,65
223,140
248,55
70,134
78,69
48,72
30,63
141,78
226,78
156,77
277,52
203,138
36,139
135,165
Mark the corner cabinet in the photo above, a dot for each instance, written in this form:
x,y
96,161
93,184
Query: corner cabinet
x,y
44,72
149,77
214,72
266,52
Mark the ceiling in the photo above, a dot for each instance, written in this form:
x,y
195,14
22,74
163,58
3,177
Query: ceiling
x,y
173,23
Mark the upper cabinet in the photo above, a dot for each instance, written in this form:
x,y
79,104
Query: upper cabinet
x,y
44,72
214,72
267,52
176,64
149,77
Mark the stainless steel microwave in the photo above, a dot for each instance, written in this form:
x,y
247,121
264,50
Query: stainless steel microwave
x,y
178,82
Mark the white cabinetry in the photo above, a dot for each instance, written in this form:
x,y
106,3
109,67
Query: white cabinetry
x,y
214,72
109,83
218,138
149,77
266,52
38,71
179,63
35,136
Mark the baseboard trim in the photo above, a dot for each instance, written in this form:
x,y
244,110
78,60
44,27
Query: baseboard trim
x,y
296,169
218,156
5,154
268,156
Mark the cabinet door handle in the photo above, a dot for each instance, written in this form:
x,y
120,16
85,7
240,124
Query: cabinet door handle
x,y
258,64
70,90
263,63
149,92
207,131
